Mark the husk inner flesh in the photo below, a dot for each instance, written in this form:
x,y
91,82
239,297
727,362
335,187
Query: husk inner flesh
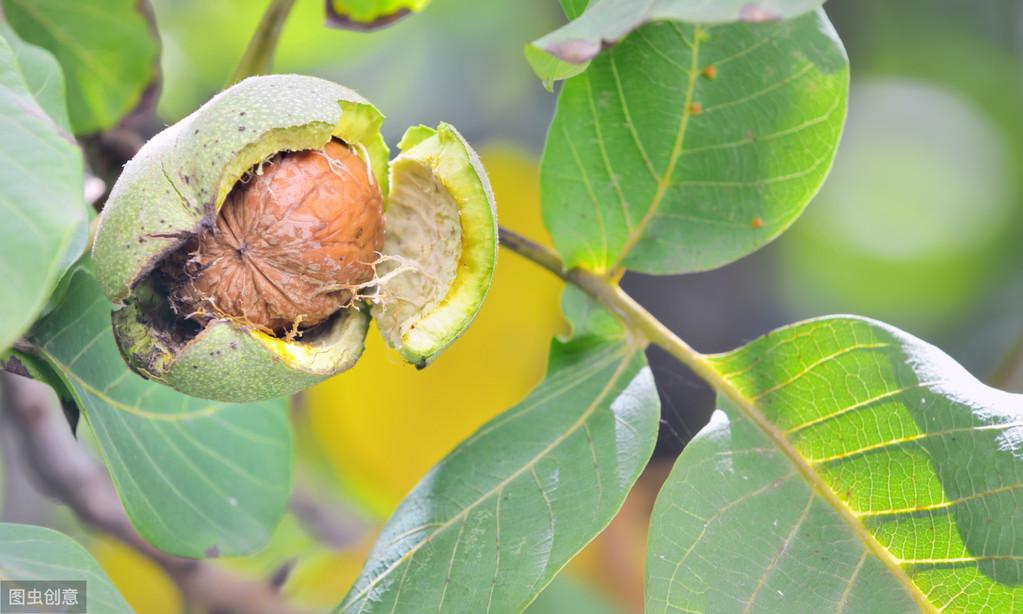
x,y
422,248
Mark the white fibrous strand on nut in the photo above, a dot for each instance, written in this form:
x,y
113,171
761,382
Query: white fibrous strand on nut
x,y
293,243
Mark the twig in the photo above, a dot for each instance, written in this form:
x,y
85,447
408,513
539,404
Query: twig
x,y
63,470
641,323
331,522
258,56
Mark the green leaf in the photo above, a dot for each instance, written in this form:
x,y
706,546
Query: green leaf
x,y
42,74
106,47
490,525
550,68
688,147
370,14
605,22
573,8
40,187
850,468
197,478
35,553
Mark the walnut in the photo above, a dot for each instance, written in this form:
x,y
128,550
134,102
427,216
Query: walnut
x,y
242,290
291,245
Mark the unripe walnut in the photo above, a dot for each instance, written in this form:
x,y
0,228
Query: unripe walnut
x,y
245,258
290,246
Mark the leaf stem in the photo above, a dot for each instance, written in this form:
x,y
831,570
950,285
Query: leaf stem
x,y
640,321
258,56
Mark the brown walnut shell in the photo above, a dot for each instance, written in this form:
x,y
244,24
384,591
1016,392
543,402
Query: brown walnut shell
x,y
290,245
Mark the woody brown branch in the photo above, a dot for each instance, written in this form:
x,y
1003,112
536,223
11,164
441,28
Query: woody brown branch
x,y
64,470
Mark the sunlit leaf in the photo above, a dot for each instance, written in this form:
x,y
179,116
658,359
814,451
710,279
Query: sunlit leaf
x,y
35,553
605,22
106,48
370,14
197,478
687,147
850,468
491,525
40,186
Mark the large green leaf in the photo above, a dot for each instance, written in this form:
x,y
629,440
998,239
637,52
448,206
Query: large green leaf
x,y
605,22
850,468
197,478
106,47
40,185
370,14
493,522
28,552
687,147
42,74
45,81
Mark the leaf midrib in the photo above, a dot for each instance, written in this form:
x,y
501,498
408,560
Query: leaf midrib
x,y
749,409
121,406
626,359
664,182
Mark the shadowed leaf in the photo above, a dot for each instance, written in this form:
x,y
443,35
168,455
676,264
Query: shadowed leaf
x,y
40,185
489,527
29,552
106,48
197,478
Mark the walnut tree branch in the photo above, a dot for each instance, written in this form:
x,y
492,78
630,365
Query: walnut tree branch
x,y
607,292
64,470
258,57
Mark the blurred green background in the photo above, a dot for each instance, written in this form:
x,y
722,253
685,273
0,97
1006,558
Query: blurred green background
x,y
918,225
